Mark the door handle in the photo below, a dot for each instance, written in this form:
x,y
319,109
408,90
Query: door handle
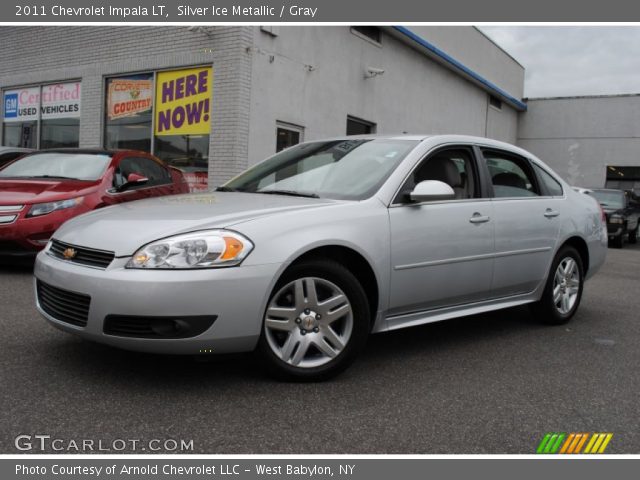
x,y
551,213
478,218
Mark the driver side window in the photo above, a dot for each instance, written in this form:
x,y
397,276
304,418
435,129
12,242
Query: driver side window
x,y
454,166
145,167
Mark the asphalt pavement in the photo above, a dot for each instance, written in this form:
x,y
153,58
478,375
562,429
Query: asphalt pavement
x,y
493,383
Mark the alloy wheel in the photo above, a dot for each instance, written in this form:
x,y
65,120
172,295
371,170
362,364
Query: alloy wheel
x,y
308,322
566,285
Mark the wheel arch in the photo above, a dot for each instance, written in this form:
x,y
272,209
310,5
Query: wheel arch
x,y
355,262
581,246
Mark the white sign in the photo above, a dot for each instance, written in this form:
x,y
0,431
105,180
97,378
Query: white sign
x,y
61,100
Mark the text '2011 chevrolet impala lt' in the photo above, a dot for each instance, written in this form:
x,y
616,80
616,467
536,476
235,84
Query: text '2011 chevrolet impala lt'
x,y
304,255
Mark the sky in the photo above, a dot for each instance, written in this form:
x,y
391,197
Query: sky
x,y
573,60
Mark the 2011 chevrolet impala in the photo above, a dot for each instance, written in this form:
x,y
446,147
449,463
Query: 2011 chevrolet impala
x,y
305,254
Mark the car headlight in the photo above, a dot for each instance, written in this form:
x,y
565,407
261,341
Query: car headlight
x,y
206,249
615,219
45,208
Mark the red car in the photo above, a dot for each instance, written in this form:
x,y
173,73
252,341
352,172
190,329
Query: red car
x,y
42,190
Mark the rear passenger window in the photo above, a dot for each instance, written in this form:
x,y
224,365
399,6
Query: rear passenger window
x,y
551,184
511,176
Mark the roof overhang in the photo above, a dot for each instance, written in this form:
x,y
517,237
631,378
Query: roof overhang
x,y
433,52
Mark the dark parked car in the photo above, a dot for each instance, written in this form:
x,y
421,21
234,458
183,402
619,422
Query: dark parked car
x,y
42,190
622,212
9,154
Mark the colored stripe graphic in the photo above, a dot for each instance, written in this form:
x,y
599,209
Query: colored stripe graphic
x,y
581,443
598,443
572,443
551,443
567,442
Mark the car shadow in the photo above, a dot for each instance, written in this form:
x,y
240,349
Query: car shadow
x,y
16,265
81,358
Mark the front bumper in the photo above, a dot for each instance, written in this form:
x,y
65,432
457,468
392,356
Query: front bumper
x,y
614,230
26,236
237,296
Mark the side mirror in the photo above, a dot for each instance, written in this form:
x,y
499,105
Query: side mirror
x,y
431,190
132,180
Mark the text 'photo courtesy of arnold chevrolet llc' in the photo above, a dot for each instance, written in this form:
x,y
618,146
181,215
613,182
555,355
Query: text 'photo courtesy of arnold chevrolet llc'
x,y
229,225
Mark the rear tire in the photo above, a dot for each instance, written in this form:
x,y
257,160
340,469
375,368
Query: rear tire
x,y
633,236
563,290
316,323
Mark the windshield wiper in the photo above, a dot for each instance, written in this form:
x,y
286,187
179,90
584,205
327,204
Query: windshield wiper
x,y
51,176
227,189
291,193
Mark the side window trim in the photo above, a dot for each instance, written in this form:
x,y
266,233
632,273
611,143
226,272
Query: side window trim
x,y
528,167
536,168
475,165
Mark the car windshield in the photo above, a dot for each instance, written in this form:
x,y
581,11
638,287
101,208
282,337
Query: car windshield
x,y
76,166
339,169
609,199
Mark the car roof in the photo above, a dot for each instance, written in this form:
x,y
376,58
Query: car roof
x,y
96,151
445,138
90,151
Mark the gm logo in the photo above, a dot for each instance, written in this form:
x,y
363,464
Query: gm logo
x,y
11,105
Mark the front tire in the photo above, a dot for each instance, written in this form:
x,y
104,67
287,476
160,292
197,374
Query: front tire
x,y
563,289
316,322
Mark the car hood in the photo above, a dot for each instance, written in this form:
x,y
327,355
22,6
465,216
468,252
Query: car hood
x,y
124,228
20,192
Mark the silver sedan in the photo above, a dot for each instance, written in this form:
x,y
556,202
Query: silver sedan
x,y
308,252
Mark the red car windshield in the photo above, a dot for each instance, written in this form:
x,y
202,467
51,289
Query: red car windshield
x,y
75,166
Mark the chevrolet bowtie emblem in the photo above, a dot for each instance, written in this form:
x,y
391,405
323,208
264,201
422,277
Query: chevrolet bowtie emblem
x,y
69,253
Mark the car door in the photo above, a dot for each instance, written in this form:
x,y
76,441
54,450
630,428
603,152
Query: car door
x,y
441,251
527,222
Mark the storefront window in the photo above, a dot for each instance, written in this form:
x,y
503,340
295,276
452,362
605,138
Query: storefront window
x,y
129,112
51,111
190,154
167,114
182,120
60,133
20,134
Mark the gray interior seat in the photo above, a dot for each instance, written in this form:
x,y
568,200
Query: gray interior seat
x,y
444,169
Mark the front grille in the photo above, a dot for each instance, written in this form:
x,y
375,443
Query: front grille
x,y
81,255
63,305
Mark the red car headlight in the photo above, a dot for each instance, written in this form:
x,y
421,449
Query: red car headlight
x,y
45,208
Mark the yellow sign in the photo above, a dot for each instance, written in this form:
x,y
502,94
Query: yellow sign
x,y
183,102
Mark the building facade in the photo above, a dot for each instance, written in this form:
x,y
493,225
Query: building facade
x,y
590,141
214,100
